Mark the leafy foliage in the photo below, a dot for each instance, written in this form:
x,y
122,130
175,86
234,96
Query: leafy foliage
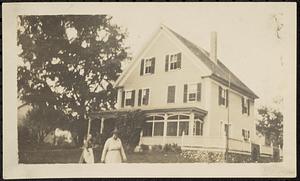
x,y
38,124
270,124
129,125
69,63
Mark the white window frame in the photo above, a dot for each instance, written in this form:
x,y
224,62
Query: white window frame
x,y
194,128
177,120
144,92
149,66
173,61
126,91
190,92
153,121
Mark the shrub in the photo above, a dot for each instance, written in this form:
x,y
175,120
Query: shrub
x,y
172,148
144,147
157,148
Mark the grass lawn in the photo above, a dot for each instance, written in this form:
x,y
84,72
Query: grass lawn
x,y
73,155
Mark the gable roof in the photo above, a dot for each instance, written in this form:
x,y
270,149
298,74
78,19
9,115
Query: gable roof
x,y
220,72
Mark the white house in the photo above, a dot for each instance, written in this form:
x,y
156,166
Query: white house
x,y
189,96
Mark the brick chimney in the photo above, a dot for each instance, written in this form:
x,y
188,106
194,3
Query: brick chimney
x,y
213,47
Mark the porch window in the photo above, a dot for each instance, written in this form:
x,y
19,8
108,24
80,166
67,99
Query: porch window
x,y
154,124
147,131
158,129
172,129
198,128
177,124
183,127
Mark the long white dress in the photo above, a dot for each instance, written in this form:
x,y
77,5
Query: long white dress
x,y
113,151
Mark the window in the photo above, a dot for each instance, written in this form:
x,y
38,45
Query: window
x,y
192,92
183,128
143,97
223,96
155,125
158,129
184,117
172,128
147,131
245,106
198,128
147,66
175,117
246,135
129,98
171,94
173,62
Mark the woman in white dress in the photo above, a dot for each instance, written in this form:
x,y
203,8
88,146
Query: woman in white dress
x,y
113,151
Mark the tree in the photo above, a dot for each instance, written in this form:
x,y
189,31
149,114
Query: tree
x,y
39,123
70,63
270,124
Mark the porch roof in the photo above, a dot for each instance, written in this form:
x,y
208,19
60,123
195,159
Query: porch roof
x,y
117,112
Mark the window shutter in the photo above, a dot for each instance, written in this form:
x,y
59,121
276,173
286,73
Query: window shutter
x,y
140,97
171,94
123,99
153,65
248,104
243,133
242,105
185,89
179,60
147,96
227,98
142,67
132,97
167,63
220,95
199,92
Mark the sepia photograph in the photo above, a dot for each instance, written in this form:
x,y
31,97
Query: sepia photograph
x,y
142,86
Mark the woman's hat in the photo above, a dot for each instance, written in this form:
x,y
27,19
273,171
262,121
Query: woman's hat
x,y
115,130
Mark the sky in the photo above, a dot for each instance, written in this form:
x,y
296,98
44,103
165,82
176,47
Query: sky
x,y
254,42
